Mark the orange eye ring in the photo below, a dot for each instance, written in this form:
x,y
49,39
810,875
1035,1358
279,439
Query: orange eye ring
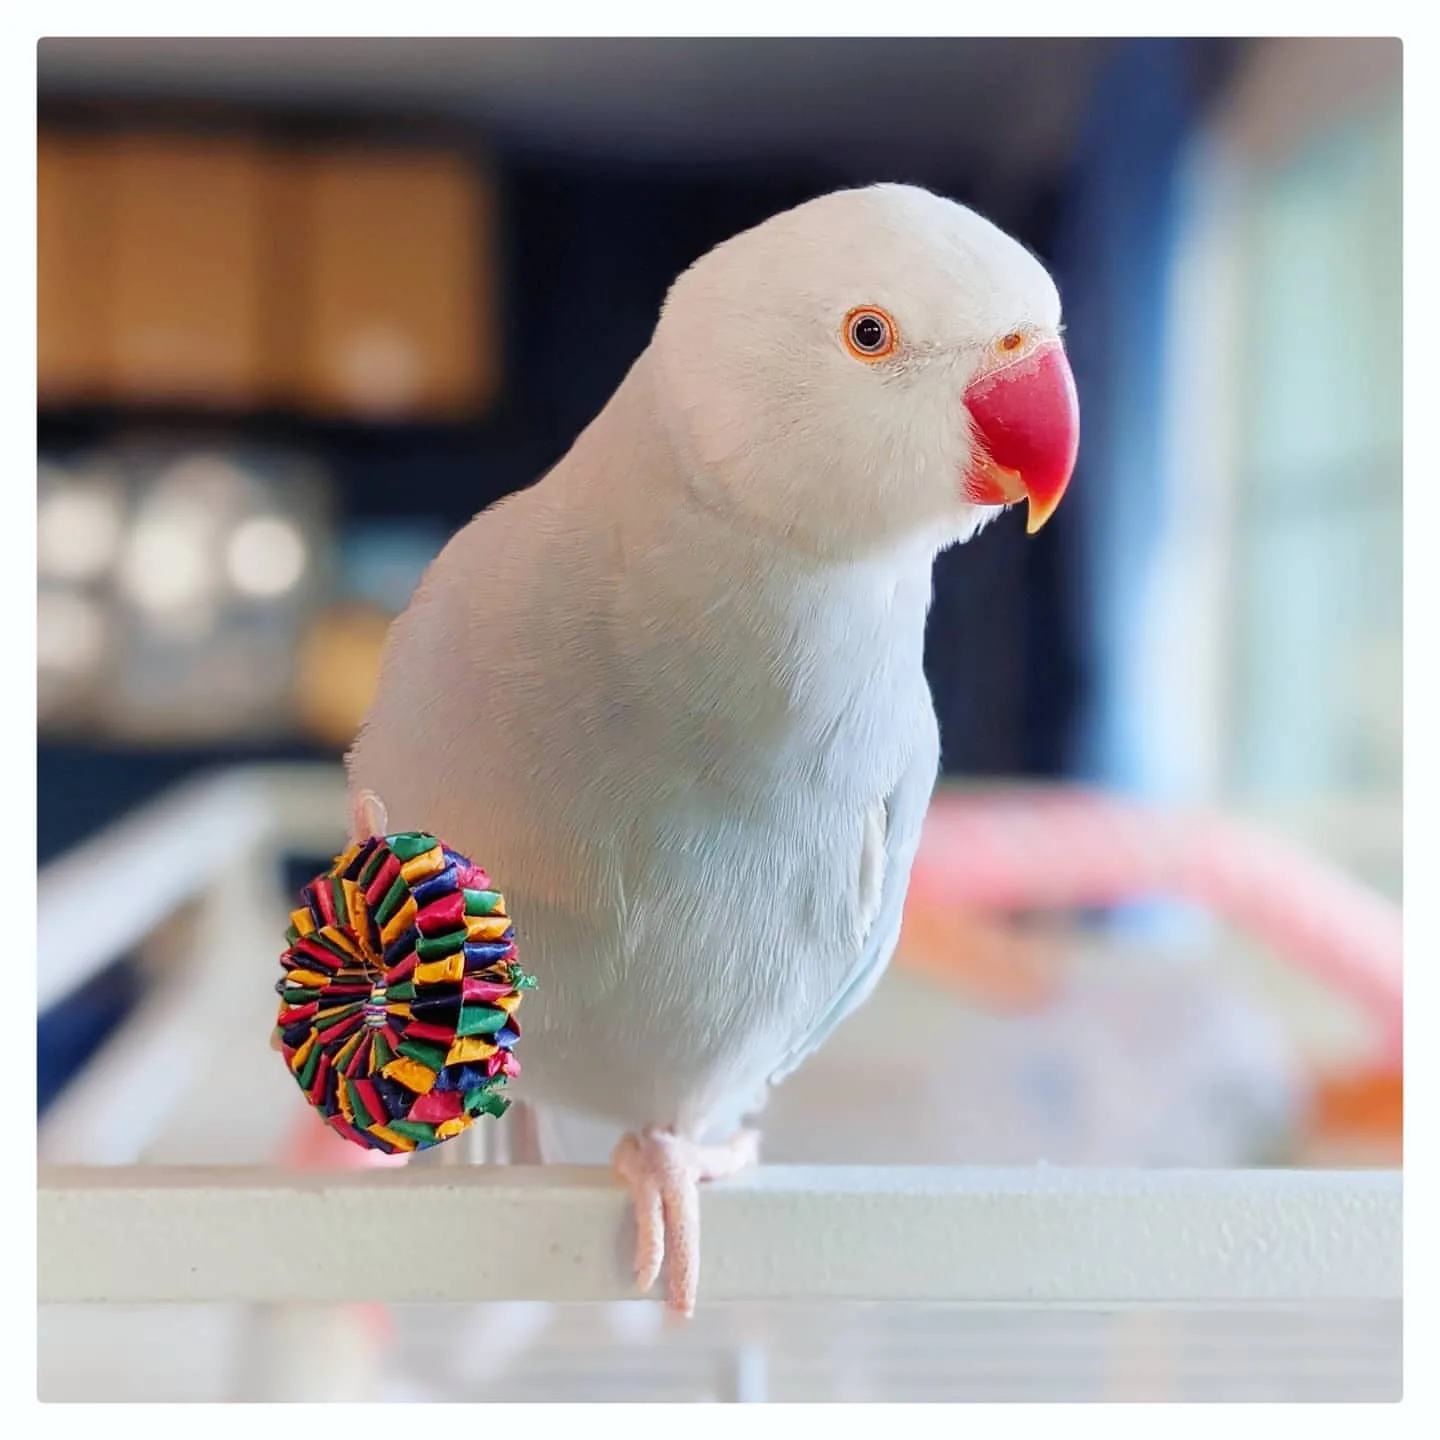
x,y
870,333
1009,344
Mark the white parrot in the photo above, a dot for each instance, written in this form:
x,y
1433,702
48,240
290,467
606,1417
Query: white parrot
x,y
671,696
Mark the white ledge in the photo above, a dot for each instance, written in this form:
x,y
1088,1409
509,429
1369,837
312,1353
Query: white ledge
x,y
1048,1236
137,870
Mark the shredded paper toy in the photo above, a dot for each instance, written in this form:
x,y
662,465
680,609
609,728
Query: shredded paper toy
x,y
397,1005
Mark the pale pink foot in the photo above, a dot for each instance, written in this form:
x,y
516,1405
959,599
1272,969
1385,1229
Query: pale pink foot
x,y
664,1171
368,816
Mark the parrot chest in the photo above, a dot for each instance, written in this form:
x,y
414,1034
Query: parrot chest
x,y
730,907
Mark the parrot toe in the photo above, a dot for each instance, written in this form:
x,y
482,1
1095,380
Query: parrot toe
x,y
663,1172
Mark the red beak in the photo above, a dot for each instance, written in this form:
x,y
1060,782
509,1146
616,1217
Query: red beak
x,y
1026,417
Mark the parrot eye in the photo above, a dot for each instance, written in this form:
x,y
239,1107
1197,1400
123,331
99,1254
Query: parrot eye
x,y
869,333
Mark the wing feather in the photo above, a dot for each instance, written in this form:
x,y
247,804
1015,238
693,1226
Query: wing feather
x,y
904,817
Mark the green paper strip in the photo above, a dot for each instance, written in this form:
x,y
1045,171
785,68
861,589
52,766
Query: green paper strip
x,y
311,1065
332,1013
480,1020
425,1134
488,1101
437,947
392,900
482,902
363,1117
371,867
427,1054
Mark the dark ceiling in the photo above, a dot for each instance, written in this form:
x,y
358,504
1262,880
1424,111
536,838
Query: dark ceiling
x,y
1001,111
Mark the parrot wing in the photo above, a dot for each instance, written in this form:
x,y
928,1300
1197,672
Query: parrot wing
x,y
896,834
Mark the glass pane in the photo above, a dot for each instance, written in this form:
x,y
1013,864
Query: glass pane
x,y
1318,688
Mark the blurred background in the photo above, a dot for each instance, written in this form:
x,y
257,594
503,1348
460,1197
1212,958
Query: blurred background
x,y
305,306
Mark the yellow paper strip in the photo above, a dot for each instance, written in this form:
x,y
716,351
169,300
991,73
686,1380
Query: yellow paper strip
x,y
343,1055
306,977
355,907
298,1059
452,967
401,1142
342,941
486,927
422,867
398,923
470,1047
411,1074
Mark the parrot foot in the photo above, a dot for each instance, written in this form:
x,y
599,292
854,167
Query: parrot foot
x,y
663,1171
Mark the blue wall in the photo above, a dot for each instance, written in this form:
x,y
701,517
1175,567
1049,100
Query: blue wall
x,y
1113,266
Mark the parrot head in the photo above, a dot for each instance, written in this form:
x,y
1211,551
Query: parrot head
x,y
872,368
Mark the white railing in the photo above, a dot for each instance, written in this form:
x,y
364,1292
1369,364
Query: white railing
x,y
120,1231
192,878
785,1233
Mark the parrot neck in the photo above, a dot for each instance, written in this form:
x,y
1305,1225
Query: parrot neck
x,y
809,633
749,490
678,505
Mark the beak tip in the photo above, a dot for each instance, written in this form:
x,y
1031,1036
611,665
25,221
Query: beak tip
x,y
1038,514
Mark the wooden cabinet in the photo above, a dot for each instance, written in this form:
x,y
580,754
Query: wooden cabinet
x,y
214,271
396,295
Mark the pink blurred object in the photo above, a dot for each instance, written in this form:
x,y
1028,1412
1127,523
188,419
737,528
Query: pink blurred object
x,y
313,1145
1059,848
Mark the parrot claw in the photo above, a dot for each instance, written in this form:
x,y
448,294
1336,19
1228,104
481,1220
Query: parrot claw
x,y
663,1172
